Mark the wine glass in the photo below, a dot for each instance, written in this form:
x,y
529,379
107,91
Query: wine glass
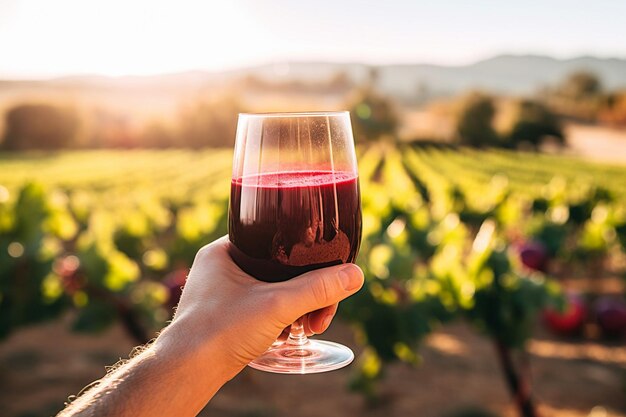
x,y
295,206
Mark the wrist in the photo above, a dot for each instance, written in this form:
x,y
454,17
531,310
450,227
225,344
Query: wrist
x,y
204,352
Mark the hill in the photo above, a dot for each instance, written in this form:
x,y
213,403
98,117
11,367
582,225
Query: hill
x,y
507,74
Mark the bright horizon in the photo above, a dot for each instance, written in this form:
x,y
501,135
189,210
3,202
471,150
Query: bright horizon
x,y
41,39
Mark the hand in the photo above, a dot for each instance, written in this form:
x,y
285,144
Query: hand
x,y
221,303
224,320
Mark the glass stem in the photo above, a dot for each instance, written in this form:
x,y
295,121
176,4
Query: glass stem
x,y
297,337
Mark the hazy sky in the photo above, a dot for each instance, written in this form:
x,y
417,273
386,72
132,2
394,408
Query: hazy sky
x,y
43,38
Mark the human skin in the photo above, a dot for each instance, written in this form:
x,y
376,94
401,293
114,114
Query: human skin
x,y
225,319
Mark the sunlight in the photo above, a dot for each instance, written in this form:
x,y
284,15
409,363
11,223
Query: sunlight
x,y
139,37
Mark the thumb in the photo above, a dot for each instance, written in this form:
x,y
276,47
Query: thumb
x,y
318,289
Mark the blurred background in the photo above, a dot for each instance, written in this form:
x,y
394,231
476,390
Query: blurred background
x,y
491,140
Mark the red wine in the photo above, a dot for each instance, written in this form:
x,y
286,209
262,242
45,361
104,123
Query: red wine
x,y
284,224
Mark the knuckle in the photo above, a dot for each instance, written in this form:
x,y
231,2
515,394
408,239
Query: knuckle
x,y
203,252
216,250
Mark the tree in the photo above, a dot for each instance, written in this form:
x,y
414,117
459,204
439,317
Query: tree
x,y
614,109
581,84
209,123
341,81
474,125
374,114
580,95
40,126
157,134
533,124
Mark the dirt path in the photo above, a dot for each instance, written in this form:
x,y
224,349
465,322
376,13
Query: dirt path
x,y
458,372
597,142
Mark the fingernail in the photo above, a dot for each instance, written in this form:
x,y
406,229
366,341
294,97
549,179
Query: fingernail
x,y
349,276
326,322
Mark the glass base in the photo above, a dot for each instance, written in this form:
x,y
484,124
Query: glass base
x,y
311,357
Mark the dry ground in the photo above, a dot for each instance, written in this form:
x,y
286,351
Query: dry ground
x,y
597,142
42,365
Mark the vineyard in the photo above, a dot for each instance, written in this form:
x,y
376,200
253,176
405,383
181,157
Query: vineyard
x,y
487,236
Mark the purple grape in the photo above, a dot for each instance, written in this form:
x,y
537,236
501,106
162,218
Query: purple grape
x,y
534,255
610,313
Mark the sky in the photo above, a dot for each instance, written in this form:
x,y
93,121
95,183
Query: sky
x,y
44,38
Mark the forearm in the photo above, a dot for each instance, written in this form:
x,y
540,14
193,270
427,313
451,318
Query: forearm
x,y
170,377
225,319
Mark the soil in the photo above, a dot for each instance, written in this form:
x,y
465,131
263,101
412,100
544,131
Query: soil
x,y
42,365
600,143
